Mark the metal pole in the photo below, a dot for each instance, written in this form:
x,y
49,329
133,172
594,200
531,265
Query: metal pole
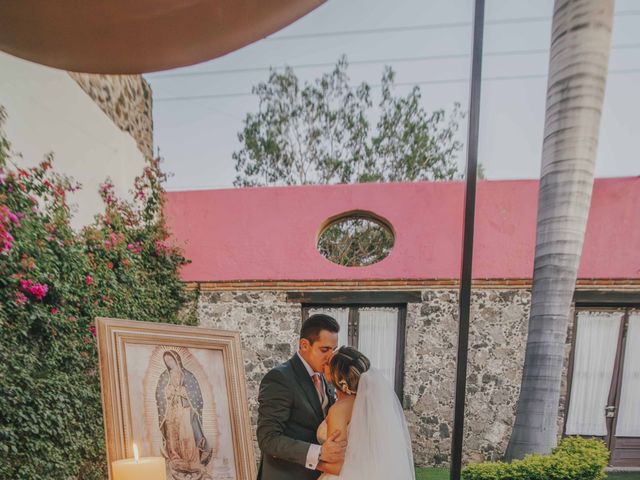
x,y
467,248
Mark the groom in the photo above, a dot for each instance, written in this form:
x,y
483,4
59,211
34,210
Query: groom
x,y
293,401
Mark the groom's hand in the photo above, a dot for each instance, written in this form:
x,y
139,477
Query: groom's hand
x,y
332,451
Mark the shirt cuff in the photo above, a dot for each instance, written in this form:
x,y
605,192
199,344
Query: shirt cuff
x,y
313,455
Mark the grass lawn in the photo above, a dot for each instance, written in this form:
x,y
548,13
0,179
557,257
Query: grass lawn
x,y
443,474
432,474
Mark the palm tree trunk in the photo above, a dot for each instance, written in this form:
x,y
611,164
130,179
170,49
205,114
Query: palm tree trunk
x,y
580,43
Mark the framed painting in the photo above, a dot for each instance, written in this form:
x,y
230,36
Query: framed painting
x,y
176,392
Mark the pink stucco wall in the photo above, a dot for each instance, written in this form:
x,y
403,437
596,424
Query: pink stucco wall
x,y
270,233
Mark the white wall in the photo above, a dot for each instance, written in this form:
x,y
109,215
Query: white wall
x,y
49,112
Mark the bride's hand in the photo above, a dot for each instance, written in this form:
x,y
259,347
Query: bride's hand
x,y
332,451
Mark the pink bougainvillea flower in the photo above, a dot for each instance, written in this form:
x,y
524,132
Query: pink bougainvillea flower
x,y
88,280
134,247
54,311
7,217
6,240
107,193
13,217
162,248
21,298
7,220
38,290
75,187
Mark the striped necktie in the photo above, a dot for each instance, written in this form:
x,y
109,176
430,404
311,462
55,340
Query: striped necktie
x,y
317,381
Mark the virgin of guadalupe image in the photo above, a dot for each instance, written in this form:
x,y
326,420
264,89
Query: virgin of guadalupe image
x,y
179,401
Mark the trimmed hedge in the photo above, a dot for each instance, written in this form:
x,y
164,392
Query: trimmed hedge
x,y
53,283
574,458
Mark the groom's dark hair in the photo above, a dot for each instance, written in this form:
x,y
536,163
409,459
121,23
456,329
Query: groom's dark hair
x,y
313,325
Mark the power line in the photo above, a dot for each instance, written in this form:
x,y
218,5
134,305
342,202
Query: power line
x,y
499,78
309,65
398,84
432,26
451,56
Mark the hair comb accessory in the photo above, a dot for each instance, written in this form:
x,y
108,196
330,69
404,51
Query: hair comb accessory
x,y
342,384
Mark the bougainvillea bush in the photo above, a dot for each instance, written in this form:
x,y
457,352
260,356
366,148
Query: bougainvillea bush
x,y
54,281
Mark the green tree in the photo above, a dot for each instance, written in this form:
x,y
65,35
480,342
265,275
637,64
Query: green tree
x,y
322,133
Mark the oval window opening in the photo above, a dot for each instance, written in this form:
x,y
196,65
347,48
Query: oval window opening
x,y
356,240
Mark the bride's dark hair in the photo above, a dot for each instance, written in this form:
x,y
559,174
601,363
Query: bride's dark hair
x,y
346,366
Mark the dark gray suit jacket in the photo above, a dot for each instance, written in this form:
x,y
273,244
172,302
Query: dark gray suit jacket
x,y
289,413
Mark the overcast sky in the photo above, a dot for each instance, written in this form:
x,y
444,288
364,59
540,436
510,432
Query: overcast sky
x,y
197,136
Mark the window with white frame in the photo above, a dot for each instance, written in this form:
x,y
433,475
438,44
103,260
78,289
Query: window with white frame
x,y
376,330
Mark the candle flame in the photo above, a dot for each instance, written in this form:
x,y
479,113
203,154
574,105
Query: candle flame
x,y
135,452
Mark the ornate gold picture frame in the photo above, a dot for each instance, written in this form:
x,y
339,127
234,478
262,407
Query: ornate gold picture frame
x,y
177,392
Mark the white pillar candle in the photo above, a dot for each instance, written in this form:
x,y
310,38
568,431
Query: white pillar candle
x,y
145,468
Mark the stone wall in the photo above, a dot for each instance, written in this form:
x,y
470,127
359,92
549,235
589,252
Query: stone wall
x,y
269,328
126,99
497,339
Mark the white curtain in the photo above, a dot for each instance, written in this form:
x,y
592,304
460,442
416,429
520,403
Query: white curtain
x,y
628,424
377,338
342,317
594,358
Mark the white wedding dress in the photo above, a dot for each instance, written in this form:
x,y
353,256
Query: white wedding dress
x,y
379,446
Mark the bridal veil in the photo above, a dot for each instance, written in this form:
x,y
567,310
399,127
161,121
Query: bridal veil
x,y
379,444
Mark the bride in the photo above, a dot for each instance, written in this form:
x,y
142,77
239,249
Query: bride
x,y
368,415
